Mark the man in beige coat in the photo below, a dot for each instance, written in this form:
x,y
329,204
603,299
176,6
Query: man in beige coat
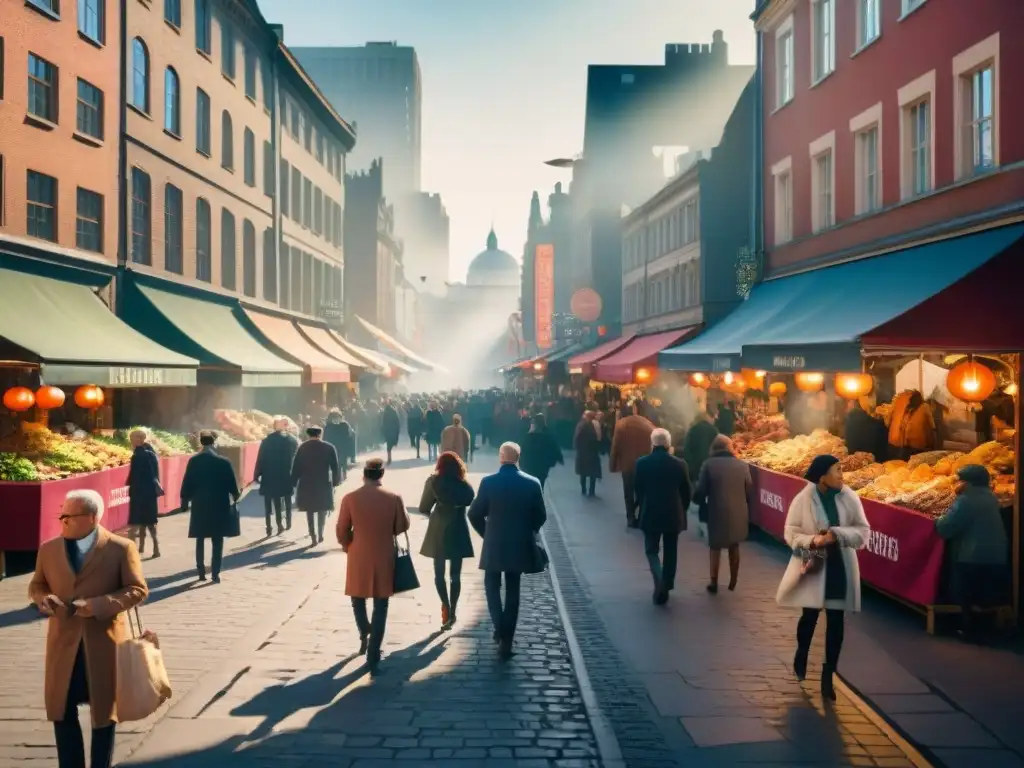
x,y
84,581
630,442
455,438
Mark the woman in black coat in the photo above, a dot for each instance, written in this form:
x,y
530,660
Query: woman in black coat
x,y
446,494
144,490
588,454
315,475
540,451
434,428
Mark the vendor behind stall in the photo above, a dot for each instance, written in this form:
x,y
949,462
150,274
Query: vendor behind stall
x,y
912,429
863,432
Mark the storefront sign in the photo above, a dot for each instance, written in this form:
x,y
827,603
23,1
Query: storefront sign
x,y
544,307
789,362
255,380
121,376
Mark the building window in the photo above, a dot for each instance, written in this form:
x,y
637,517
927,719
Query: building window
x,y
824,212
91,18
869,21
284,197
203,42
227,142
784,75
978,127
870,173
1,68
3,192
295,117
249,157
269,267
140,75
296,280
227,48
173,230
268,85
142,232
248,259
50,6
228,256
284,277
318,211
824,38
320,148
42,88
328,219
307,134
911,5
783,207
172,13
42,206
89,117
89,221
268,169
307,203
919,124
203,122
250,73
172,103
296,196
204,242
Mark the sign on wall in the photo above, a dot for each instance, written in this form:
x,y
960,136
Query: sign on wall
x,y
544,296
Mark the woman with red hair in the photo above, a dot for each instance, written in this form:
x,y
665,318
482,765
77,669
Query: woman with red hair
x,y
446,495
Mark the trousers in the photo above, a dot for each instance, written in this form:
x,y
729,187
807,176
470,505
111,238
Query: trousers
x,y
663,569
216,555
275,506
373,627
504,616
68,731
834,631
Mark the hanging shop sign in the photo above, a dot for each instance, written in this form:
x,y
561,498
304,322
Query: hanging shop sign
x,y
544,307
586,305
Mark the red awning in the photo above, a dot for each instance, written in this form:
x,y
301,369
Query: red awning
x,y
586,359
642,351
283,334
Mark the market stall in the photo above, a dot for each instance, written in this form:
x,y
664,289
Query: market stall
x,y
637,360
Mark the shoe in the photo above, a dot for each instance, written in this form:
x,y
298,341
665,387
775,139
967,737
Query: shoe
x,y
216,578
800,664
364,643
732,585
712,588
156,554
496,637
828,692
445,615
280,530
373,664
270,532
202,576
505,651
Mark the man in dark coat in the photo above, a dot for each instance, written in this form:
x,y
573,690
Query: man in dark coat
x,y
662,486
414,423
339,433
210,488
144,490
588,453
273,473
315,475
390,427
434,427
697,445
508,513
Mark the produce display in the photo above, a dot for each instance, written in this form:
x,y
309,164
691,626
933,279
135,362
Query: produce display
x,y
54,456
247,426
793,456
759,428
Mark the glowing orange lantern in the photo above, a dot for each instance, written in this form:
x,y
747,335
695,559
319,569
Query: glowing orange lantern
x,y
810,382
754,379
643,375
777,389
853,385
970,381
89,397
49,398
19,399
699,380
732,383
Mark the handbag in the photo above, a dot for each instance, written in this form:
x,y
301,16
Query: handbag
x,y
142,681
811,560
540,556
406,579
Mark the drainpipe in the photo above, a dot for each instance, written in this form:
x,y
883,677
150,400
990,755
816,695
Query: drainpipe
x,y
124,215
757,188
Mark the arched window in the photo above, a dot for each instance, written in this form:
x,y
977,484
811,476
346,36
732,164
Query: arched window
x,y
228,256
204,245
142,230
172,102
249,158
248,259
269,267
140,75
227,142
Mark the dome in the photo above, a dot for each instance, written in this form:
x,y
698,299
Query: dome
x,y
493,266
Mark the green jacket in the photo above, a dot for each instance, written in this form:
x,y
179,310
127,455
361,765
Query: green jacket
x,y
974,526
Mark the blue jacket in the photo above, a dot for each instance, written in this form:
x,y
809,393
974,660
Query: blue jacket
x,y
507,512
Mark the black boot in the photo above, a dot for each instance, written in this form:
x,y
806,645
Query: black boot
x,y
828,692
800,663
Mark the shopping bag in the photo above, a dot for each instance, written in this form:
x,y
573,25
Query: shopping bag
x,y
540,556
405,572
142,681
693,512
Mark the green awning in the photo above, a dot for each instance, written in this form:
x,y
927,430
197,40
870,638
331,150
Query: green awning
x,y
213,333
75,339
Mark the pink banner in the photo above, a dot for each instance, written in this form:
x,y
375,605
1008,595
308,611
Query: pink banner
x,y
903,555
249,453
172,470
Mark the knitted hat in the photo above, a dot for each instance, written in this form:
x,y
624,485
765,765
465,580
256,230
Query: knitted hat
x,y
820,467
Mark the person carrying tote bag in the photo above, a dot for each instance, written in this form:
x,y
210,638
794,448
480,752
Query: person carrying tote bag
x,y
142,681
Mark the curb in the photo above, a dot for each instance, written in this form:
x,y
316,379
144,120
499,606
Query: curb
x,y
864,706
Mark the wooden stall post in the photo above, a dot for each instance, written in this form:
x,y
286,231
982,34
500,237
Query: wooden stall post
x,y
1017,533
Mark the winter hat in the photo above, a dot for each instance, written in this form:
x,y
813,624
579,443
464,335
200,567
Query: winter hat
x,y
974,474
820,467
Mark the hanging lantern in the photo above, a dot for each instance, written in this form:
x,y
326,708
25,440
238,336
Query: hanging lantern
x,y
49,398
643,375
810,382
970,381
853,385
19,399
754,379
777,388
89,397
733,383
700,380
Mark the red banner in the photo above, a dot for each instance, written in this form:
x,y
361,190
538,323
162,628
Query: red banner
x,y
544,299
903,555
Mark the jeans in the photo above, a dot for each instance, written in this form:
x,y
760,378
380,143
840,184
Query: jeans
x,y
414,442
275,506
432,451
315,522
455,575
584,482
628,496
374,628
504,618
663,571
67,732
216,555
834,630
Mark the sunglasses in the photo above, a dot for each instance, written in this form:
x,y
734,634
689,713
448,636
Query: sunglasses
x,y
65,518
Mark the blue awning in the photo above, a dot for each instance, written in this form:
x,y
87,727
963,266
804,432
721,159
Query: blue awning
x,y
815,320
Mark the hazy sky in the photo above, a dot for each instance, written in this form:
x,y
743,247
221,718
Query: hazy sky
x,y
504,84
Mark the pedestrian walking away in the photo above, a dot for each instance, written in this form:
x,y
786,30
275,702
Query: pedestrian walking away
x,y
273,472
446,495
630,441
540,450
697,444
84,604
390,427
455,438
725,495
434,426
587,444
414,426
210,489
144,490
825,526
662,484
339,433
508,513
369,521
315,474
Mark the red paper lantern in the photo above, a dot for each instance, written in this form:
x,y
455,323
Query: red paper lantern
x,y
19,399
49,398
89,397
700,380
971,382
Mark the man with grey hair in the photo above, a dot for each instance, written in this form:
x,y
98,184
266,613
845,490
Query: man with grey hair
x,y
508,513
84,580
663,492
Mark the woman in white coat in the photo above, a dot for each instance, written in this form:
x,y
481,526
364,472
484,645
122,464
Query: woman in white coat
x,y
824,527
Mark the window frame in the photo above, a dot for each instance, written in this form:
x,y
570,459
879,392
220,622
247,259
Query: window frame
x,y
250,277
172,13
141,220
250,65
228,250
785,77
269,266
172,102
50,8
204,123
865,14
907,7
82,105
910,97
97,222
867,122
228,50
100,13
822,153
203,27
249,157
142,49
204,241
174,229
980,57
36,210
50,86
227,142
782,182
823,39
